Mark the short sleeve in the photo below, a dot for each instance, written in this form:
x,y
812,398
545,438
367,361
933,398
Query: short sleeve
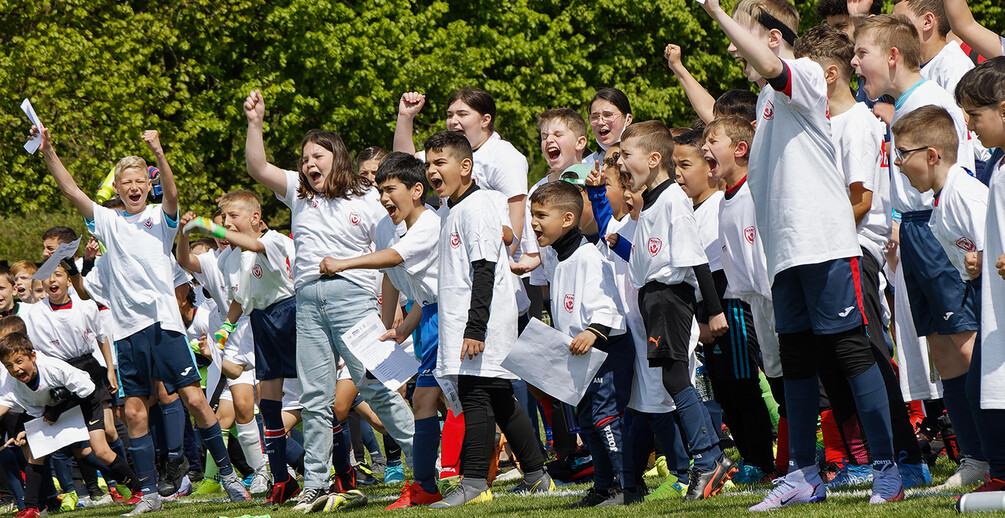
x,y
512,172
99,226
806,87
482,236
863,155
685,242
278,249
292,182
416,247
74,379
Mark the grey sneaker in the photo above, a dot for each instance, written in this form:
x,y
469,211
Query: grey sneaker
x,y
463,495
150,504
970,472
311,500
234,487
260,481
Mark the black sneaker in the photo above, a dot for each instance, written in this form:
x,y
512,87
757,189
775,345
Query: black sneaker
x,y
174,471
705,484
364,476
195,474
615,497
593,498
633,497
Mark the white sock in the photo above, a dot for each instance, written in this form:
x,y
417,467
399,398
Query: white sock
x,y
251,444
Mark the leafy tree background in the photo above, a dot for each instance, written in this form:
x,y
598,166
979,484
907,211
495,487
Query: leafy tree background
x,y
99,72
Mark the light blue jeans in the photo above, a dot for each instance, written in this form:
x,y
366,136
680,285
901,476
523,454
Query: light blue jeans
x,y
326,308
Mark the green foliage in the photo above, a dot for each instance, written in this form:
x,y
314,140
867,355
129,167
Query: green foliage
x,y
99,72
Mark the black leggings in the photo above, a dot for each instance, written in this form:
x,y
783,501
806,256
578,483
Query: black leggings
x,y
487,402
746,415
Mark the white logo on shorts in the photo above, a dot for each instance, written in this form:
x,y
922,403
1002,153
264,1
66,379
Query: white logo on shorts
x,y
846,311
947,315
186,371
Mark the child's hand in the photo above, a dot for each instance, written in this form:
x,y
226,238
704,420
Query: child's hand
x,y
21,439
884,111
188,216
330,266
612,240
153,140
582,343
517,268
113,380
705,334
711,6
718,325
254,107
672,55
410,104
595,179
46,139
471,348
973,262
204,346
92,249
393,334
8,443
1000,264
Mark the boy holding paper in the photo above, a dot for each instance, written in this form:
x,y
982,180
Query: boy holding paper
x,y
46,387
586,306
406,245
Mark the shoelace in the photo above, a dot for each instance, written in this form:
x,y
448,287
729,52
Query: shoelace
x,y
888,485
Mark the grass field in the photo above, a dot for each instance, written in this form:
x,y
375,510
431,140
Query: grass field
x,y
849,503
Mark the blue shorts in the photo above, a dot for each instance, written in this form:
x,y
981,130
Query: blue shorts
x,y
825,298
429,340
275,331
155,353
939,298
611,388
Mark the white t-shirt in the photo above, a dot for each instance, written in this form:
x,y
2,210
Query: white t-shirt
x,y
52,373
67,332
666,245
583,291
137,271
471,232
416,276
958,218
498,166
924,93
258,280
338,227
993,296
948,66
858,141
800,197
743,258
213,280
537,277
707,217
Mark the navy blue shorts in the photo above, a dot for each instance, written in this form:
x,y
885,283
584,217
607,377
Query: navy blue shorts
x,y
275,332
825,298
429,343
611,388
155,353
939,299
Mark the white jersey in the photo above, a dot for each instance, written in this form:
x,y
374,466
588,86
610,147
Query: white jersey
x,y
471,232
415,277
859,138
212,279
957,221
707,217
331,227
743,258
793,177
64,332
537,277
924,93
948,66
498,166
666,245
583,291
258,280
138,271
993,298
52,373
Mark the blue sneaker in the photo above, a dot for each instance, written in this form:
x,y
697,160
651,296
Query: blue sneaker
x,y
800,486
886,483
394,474
850,475
748,474
915,475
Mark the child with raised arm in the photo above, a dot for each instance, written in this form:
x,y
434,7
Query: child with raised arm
x,y
977,36
334,216
805,255
137,275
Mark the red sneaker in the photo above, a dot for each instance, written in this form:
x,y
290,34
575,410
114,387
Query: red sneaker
x,y
135,499
116,497
413,494
992,484
282,492
27,512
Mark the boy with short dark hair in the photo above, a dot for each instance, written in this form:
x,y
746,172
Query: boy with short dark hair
x,y
813,263
586,306
477,321
668,265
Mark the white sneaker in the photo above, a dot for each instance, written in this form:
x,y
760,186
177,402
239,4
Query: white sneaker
x,y
970,472
150,504
259,481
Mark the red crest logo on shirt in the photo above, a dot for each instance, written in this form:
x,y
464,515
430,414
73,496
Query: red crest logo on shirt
x,y
257,271
380,300
570,300
149,223
748,234
655,245
455,240
966,245
769,111
354,218
315,204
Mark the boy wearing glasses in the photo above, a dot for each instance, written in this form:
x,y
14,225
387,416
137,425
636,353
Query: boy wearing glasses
x,y
888,61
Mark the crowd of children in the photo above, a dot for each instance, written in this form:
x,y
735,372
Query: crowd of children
x,y
812,257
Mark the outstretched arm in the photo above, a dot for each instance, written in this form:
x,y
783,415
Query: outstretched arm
x,y
182,252
700,99
758,55
66,184
408,107
980,38
258,164
238,239
169,202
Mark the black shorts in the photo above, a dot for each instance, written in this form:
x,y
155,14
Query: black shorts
x,y
98,374
275,332
668,313
94,413
736,354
